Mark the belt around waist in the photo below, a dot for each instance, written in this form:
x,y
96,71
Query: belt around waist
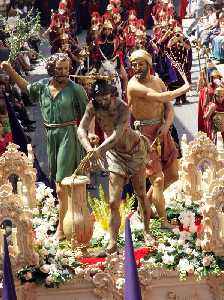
x,y
139,123
60,125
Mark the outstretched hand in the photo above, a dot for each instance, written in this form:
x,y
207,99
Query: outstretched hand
x,y
93,139
163,130
5,66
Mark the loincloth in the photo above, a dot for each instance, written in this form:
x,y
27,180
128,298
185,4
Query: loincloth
x,y
157,163
128,164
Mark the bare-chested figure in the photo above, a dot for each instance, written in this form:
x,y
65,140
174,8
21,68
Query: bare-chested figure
x,y
125,150
148,99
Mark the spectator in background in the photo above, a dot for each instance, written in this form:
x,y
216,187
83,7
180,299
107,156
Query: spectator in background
x,y
199,11
4,51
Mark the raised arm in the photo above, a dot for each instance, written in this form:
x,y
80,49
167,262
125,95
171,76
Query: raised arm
x,y
21,82
135,89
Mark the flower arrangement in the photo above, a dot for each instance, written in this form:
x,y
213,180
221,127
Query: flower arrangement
x,y
57,262
180,249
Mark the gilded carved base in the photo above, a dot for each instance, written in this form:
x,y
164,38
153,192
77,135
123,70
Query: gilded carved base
x,y
161,285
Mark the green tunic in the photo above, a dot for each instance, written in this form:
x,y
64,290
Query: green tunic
x,y
63,147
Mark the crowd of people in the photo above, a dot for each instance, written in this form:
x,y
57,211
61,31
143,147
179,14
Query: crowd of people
x,y
211,102
115,34
209,29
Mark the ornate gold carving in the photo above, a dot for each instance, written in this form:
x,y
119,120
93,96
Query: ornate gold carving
x,y
11,209
198,165
17,163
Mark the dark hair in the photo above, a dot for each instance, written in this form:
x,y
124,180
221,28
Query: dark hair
x,y
53,59
101,87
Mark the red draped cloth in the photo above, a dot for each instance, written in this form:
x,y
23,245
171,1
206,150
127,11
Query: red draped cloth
x,y
201,109
93,6
136,5
183,8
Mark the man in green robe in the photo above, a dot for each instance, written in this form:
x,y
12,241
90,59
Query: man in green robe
x,y
62,104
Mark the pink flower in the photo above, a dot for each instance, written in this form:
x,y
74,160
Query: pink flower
x,y
48,280
28,276
207,260
190,269
45,268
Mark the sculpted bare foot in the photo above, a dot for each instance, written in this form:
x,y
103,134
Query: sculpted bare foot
x,y
59,235
167,225
149,240
112,248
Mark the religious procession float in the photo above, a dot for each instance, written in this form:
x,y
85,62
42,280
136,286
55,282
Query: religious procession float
x,y
185,263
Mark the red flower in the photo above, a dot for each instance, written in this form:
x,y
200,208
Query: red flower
x,y
130,215
199,228
34,235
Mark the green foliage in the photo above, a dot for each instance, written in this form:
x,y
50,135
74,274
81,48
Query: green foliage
x,y
174,211
157,232
23,30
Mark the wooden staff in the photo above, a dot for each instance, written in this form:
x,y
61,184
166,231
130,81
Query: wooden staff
x,y
92,77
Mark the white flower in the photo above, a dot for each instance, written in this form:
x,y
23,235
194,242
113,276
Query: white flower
x,y
187,218
79,271
195,253
59,254
198,243
151,260
173,242
183,265
49,201
135,222
168,259
35,211
120,283
184,235
188,251
161,247
64,260
188,202
181,242
170,249
98,232
207,260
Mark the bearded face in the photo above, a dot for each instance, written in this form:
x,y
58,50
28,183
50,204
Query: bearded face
x,y
103,101
141,69
61,73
